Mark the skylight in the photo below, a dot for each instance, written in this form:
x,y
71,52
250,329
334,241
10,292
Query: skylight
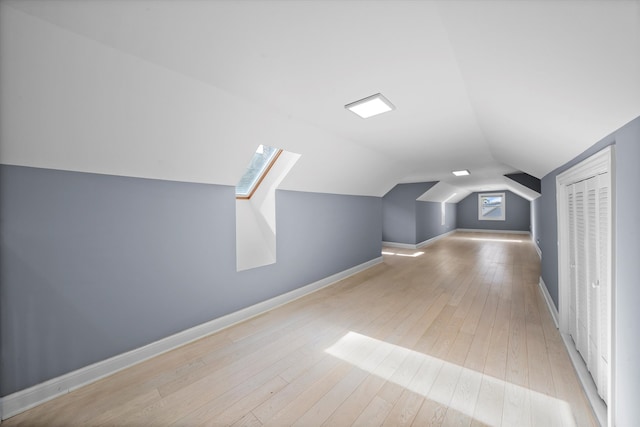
x,y
370,106
261,162
463,172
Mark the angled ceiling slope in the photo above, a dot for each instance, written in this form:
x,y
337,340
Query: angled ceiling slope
x,y
443,192
491,86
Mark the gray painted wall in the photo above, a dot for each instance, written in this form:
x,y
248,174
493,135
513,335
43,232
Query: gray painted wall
x,y
627,254
429,220
94,265
399,207
517,218
548,234
627,268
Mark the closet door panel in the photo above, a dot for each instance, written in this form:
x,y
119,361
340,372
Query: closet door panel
x,y
573,296
593,297
587,213
589,209
603,289
582,278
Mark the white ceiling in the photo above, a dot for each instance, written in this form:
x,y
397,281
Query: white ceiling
x,y
490,86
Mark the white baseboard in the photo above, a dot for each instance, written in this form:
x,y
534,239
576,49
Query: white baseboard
x,y
547,297
597,405
399,245
434,239
23,400
538,250
418,245
478,230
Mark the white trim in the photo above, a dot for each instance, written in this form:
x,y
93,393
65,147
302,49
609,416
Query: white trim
x,y
538,250
434,239
547,297
601,162
418,245
399,245
23,400
503,205
597,404
481,230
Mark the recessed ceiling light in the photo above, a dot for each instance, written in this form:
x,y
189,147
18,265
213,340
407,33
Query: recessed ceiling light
x,y
463,172
370,106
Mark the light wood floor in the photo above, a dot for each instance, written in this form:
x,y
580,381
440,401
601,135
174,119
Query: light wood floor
x,y
457,335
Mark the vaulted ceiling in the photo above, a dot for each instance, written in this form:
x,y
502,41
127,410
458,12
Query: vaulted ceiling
x,y
489,86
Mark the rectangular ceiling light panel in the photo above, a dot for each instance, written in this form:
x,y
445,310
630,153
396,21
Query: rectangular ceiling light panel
x,y
370,106
461,173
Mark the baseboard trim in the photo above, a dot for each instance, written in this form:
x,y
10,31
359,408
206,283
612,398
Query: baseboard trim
x,y
597,405
23,400
538,250
399,245
418,245
550,305
434,239
479,230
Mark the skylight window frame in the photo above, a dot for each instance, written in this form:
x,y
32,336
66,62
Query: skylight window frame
x,y
263,174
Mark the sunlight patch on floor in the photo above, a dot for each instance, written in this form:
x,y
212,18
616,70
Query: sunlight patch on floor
x,y
486,239
413,255
452,385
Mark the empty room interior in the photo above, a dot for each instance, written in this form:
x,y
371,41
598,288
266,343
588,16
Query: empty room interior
x,y
316,212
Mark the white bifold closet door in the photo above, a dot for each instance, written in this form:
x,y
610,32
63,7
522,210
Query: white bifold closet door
x,y
589,208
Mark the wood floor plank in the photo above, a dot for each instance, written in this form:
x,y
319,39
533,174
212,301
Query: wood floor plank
x,y
401,378
464,399
355,404
457,335
517,406
212,408
326,405
248,420
300,404
442,390
496,361
351,408
276,403
235,412
374,414
404,411
477,354
541,377
517,371
490,403
431,414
